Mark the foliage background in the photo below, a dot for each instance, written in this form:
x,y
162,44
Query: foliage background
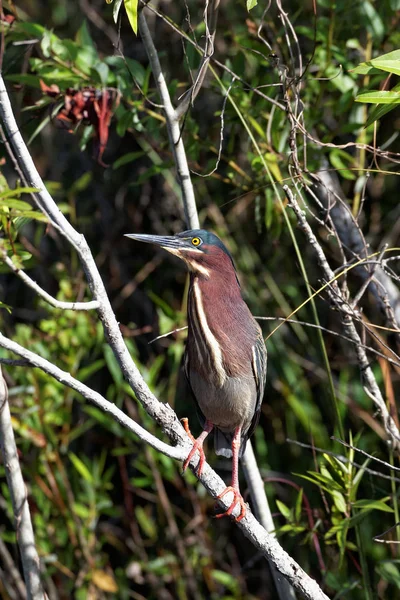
x,y
113,518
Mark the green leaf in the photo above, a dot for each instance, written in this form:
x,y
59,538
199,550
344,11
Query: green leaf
x,y
338,159
14,203
83,37
34,214
299,504
389,572
146,524
17,192
391,66
81,468
389,62
377,112
339,501
116,9
365,68
127,158
372,504
226,579
112,365
131,11
284,510
251,4
102,71
379,97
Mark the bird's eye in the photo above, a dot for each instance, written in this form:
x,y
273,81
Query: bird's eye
x,y
196,241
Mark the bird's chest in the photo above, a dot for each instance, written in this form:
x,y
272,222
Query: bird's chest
x,y
219,343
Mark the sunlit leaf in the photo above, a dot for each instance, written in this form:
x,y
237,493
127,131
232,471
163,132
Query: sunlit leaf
x,y
104,581
81,467
251,4
379,97
372,504
131,10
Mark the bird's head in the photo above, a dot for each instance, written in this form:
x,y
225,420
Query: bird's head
x,y
201,250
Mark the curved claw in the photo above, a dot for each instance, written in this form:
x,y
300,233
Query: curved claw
x,y
237,499
197,446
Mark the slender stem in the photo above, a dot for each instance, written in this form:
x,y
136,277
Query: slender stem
x,y
263,514
371,386
172,121
211,28
249,463
43,294
23,523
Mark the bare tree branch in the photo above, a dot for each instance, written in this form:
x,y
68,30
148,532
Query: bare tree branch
x,y
22,515
97,399
263,514
347,313
264,541
13,574
43,294
162,413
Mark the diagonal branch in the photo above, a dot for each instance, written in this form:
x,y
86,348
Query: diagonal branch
x,y
251,528
97,399
162,413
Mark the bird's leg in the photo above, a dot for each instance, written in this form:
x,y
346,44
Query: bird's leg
x,y
234,487
197,445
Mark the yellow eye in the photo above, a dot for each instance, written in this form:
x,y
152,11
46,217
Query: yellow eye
x,y
196,241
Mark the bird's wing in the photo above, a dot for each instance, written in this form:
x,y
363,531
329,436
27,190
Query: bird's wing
x,y
186,368
259,366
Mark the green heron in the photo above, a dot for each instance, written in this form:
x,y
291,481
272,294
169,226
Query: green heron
x,y
225,358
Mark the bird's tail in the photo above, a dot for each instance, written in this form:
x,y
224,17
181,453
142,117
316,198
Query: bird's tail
x,y
223,444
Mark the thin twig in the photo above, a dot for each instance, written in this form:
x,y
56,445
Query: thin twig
x,y
12,571
347,315
93,305
344,459
172,122
211,28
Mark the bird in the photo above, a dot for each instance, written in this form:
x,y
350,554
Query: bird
x,y
225,359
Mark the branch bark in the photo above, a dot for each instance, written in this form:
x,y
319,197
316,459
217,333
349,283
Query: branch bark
x,y
23,523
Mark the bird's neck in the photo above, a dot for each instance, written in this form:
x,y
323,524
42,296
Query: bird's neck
x,y
219,285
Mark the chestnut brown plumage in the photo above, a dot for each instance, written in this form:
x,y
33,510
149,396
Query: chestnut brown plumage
x,y
225,358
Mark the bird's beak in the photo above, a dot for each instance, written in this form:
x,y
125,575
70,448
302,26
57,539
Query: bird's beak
x,y
168,242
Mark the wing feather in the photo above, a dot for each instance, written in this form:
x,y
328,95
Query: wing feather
x,y
259,366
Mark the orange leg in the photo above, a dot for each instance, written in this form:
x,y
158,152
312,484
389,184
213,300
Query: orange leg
x,y
197,446
237,496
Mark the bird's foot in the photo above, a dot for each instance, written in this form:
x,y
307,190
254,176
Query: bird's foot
x,y
237,499
197,446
